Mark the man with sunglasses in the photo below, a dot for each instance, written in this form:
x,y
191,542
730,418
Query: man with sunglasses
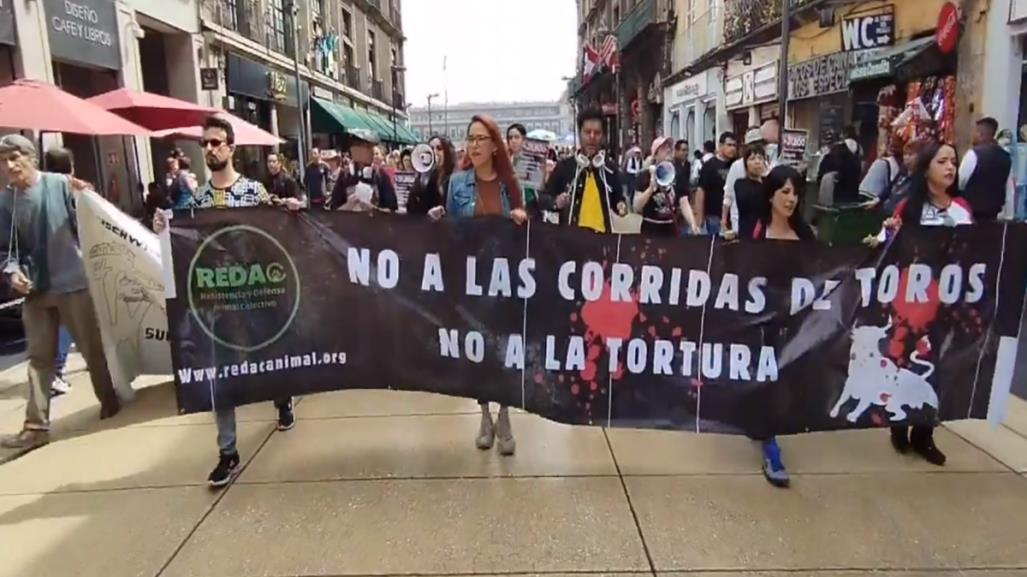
x,y
229,189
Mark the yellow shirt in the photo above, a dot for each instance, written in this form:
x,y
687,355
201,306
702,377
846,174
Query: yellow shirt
x,y
591,214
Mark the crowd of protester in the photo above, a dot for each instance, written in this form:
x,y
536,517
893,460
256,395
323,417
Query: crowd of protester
x,y
726,189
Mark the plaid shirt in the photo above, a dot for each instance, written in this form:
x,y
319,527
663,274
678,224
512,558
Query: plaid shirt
x,y
243,193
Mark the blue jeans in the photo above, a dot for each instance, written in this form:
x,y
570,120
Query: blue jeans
x,y
227,428
63,347
713,225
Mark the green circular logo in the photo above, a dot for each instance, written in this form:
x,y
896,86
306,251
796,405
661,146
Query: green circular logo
x,y
244,289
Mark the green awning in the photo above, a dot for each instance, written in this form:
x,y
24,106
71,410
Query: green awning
x,y
330,117
385,129
410,135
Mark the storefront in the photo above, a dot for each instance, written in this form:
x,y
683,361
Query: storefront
x,y
264,96
8,40
85,47
691,108
750,89
818,98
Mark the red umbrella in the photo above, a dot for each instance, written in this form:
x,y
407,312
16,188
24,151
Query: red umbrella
x,y
35,105
153,111
246,134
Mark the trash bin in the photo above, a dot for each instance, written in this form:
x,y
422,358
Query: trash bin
x,y
843,224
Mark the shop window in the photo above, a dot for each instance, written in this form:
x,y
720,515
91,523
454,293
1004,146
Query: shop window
x,y
372,60
675,124
347,24
690,124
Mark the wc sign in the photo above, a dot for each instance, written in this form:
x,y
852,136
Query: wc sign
x,y
869,31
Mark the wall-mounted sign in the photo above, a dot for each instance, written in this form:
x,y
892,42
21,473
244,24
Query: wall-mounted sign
x,y
277,87
869,30
84,32
689,89
751,87
7,35
1017,11
819,76
323,93
794,142
947,33
209,78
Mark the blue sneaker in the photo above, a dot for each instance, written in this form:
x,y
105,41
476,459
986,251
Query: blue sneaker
x,y
773,469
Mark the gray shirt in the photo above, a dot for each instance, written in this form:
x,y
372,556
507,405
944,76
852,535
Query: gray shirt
x,y
55,267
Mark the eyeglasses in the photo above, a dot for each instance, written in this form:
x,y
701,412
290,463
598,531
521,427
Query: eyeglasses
x,y
212,142
475,140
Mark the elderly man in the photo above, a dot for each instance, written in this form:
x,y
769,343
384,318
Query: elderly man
x,y
43,262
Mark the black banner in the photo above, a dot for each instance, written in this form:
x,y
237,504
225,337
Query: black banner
x,y
753,337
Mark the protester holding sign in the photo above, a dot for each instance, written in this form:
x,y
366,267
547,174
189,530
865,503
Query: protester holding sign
x,y
585,189
229,189
933,201
489,188
43,262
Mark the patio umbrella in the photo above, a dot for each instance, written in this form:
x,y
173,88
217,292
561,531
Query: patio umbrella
x,y
542,134
246,134
35,105
153,111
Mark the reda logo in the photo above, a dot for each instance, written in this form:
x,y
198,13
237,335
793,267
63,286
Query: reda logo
x,y
253,275
244,289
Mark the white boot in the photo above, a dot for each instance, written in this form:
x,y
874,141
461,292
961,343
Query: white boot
x,y
487,431
507,444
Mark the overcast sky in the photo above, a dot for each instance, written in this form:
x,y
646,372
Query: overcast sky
x,y
496,50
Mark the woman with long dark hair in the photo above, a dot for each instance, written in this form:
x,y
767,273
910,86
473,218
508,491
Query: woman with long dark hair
x,y
933,200
781,220
429,190
488,188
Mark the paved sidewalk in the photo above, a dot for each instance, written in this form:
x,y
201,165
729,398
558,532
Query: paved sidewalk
x,y
389,483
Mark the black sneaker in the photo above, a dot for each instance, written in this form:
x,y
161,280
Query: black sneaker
x,y
227,469
286,418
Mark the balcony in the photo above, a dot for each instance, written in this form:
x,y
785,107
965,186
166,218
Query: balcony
x,y
378,89
638,22
743,17
352,78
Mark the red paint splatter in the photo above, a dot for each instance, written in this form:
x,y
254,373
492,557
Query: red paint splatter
x,y
610,319
539,378
916,315
593,352
589,372
677,332
652,331
575,389
895,350
884,362
642,318
876,419
574,317
923,347
560,378
665,320
885,397
594,386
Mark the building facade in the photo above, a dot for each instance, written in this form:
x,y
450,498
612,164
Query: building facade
x,y
452,121
232,54
694,106
633,39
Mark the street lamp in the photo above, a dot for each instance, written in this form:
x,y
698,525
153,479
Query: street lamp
x,y
430,96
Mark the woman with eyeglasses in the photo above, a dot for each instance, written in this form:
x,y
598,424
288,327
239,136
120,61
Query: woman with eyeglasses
x,y
933,200
429,190
488,188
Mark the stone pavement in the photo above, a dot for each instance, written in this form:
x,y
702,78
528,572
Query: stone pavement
x,y
389,483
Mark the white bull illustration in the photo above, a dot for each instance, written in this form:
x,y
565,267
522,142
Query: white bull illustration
x,y
875,380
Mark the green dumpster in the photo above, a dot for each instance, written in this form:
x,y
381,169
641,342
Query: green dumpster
x,y
843,224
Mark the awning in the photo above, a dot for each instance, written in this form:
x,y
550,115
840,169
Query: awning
x,y
386,130
330,117
885,63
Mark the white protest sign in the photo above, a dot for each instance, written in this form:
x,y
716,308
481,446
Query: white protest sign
x,y
123,264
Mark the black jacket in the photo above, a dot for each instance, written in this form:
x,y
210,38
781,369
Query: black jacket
x,y
381,182
570,178
426,193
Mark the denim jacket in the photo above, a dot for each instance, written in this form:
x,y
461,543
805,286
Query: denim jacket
x,y
462,197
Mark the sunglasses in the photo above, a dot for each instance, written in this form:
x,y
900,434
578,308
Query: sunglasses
x,y
211,142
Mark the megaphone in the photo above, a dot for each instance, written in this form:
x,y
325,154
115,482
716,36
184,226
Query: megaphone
x,y
665,174
423,158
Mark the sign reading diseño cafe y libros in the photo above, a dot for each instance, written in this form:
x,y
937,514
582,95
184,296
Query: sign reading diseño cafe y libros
x,y
84,31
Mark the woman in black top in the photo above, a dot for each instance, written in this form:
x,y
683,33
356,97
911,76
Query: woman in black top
x,y
749,195
429,190
658,204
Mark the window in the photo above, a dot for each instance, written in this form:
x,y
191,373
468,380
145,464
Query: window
x,y
316,9
372,62
347,24
230,14
276,26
